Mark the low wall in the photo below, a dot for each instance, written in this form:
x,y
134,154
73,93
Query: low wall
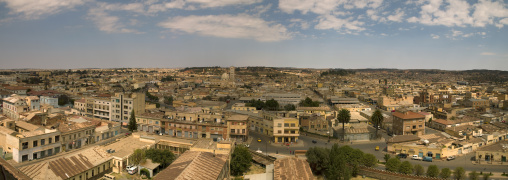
x,y
381,174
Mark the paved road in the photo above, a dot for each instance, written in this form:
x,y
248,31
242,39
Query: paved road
x,y
369,147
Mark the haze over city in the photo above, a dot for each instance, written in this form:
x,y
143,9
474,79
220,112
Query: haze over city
x,y
436,34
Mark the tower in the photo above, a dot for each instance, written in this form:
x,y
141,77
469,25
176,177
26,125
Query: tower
x,y
232,73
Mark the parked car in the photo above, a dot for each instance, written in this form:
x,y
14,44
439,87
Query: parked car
x,y
259,139
449,158
428,159
416,157
401,155
377,148
314,141
246,145
132,169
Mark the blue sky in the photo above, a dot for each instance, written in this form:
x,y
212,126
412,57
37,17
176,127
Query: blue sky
x,y
404,34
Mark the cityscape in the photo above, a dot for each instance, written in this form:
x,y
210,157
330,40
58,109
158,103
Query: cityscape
x,y
253,89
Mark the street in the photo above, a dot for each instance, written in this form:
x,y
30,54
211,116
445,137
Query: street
x,y
368,147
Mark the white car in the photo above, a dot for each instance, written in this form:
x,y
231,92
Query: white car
x,y
416,157
132,169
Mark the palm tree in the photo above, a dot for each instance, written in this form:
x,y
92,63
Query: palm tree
x,y
344,117
377,118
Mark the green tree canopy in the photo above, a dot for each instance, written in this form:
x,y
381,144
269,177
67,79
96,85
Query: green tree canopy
x,y
337,168
272,105
162,156
393,164
289,107
318,159
138,156
240,160
132,122
445,173
419,170
369,160
387,157
432,171
474,175
344,117
406,167
309,103
459,173
377,118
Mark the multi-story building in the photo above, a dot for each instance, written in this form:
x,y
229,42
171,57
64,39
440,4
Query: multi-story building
x,y
102,108
76,132
238,127
150,122
195,129
286,130
408,122
123,104
80,105
27,141
315,123
52,101
15,104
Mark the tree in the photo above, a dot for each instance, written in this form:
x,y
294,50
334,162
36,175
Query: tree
x,y
309,103
445,173
64,99
418,170
145,172
406,167
162,156
318,159
289,107
486,176
459,173
386,157
432,171
138,156
168,100
377,118
344,117
392,164
474,175
240,160
369,160
132,122
272,104
337,168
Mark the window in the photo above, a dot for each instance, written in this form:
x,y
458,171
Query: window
x,y
311,126
43,141
279,131
243,131
292,132
292,124
24,158
50,140
35,144
279,125
420,126
286,124
414,126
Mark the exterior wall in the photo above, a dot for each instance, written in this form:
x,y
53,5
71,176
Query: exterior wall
x,y
148,124
103,135
286,130
77,138
51,101
238,129
39,151
95,172
196,130
411,126
102,109
123,104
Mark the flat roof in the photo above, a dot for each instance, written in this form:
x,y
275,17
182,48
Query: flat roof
x,y
126,146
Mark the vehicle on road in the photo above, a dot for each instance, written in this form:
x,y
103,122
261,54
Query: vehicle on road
x,y
314,141
449,158
416,157
401,155
259,139
428,159
246,145
377,148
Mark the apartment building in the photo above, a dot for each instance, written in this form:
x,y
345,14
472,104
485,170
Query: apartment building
x,y
242,107
315,123
408,122
150,122
286,130
27,142
76,132
15,104
238,127
283,98
123,104
195,129
52,101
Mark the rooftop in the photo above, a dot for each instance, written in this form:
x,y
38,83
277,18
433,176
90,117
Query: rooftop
x,y
189,166
126,146
407,115
292,168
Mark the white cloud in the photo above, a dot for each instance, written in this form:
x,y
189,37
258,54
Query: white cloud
x,y
108,23
341,25
460,13
34,9
488,54
300,22
323,7
228,26
219,3
397,16
434,36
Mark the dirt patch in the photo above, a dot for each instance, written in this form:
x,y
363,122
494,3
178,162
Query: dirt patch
x,y
256,169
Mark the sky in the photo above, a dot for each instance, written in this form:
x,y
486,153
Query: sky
x,y
349,34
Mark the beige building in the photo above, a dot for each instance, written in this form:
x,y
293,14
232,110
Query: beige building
x,y
408,122
150,122
76,132
286,130
238,127
493,154
26,141
123,104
